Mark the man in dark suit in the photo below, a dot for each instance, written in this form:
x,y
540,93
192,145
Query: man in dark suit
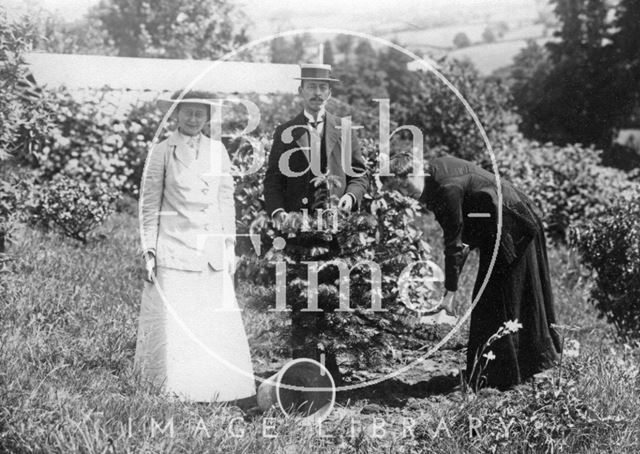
x,y
306,147
312,137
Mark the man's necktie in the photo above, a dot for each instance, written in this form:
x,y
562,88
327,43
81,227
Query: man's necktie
x,y
316,124
321,192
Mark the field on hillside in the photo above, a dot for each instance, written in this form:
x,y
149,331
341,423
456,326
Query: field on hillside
x,y
490,57
443,36
68,316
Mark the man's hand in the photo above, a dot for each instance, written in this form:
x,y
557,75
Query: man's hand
x,y
279,220
447,302
346,203
230,258
150,266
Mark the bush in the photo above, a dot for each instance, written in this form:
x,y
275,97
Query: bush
x,y
488,36
567,183
71,206
92,145
610,245
24,116
95,145
428,103
15,38
461,40
274,110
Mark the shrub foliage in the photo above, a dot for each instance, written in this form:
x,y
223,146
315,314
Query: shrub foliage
x,y
567,183
71,206
610,245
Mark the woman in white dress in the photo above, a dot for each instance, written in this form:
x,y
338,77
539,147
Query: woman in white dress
x,y
191,338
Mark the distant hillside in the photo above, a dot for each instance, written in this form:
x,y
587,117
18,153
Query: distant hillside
x,y
491,57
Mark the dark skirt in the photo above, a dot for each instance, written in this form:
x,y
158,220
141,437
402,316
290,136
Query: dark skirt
x,y
519,290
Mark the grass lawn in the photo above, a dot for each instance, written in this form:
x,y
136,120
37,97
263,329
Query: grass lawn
x,y
68,315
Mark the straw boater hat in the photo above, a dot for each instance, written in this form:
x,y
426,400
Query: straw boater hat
x,y
316,72
192,97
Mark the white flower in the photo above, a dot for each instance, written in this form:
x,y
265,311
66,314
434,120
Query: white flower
x,y
489,355
571,349
512,325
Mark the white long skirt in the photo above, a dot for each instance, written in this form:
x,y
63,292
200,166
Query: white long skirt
x,y
191,339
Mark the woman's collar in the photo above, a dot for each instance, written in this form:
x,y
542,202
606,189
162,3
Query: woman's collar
x,y
185,138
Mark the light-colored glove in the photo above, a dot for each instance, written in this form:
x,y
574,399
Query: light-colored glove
x,y
346,202
150,266
279,219
230,258
447,302
292,224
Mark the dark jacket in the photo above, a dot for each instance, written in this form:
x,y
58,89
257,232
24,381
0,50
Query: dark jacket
x,y
295,192
464,200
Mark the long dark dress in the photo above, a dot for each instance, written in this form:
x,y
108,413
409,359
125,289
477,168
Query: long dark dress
x,y
519,286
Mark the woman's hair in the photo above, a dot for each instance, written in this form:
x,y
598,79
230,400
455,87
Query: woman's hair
x,y
400,166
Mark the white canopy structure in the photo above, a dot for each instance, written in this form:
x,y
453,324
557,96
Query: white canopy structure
x,y
77,72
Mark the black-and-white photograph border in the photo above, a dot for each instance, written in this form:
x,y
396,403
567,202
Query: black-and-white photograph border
x,y
306,227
